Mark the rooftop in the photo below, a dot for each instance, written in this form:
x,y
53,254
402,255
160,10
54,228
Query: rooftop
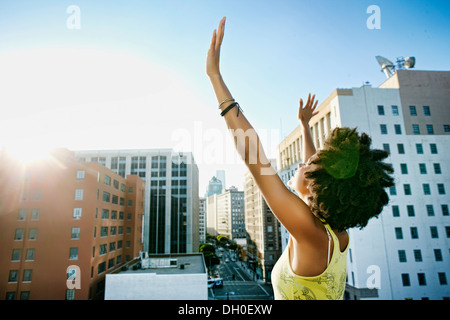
x,y
184,263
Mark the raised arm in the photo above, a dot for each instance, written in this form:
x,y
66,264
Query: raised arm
x,y
290,210
304,115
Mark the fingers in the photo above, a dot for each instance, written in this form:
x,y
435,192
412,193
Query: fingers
x,y
213,40
220,32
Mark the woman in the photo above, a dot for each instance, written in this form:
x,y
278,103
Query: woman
x,y
342,186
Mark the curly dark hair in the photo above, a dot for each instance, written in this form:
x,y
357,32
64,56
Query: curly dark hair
x,y
348,180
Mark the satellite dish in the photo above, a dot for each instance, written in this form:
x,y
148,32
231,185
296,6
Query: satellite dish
x,y
387,66
410,62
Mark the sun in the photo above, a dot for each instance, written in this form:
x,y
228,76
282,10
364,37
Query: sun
x,y
27,154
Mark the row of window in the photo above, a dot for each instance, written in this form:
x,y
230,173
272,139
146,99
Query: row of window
x,y
412,110
425,187
415,232
422,168
417,253
441,277
411,211
419,148
415,128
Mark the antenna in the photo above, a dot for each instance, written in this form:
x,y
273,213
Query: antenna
x,y
389,68
386,66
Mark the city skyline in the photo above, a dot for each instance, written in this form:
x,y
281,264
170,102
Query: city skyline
x,y
140,65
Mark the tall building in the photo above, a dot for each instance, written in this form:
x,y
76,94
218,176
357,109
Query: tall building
x,y
171,220
263,230
404,254
220,174
202,220
215,186
226,214
63,218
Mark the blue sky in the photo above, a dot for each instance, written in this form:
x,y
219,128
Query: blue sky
x,y
135,72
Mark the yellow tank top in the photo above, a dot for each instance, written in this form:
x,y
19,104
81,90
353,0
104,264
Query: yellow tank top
x,y
329,285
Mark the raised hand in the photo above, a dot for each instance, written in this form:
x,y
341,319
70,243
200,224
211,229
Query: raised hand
x,y
213,57
306,113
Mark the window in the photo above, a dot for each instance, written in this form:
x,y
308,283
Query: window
x,y
444,208
442,278
407,189
441,188
80,175
416,129
79,194
35,214
13,275
398,233
419,148
16,253
433,148
386,147
400,148
446,128
394,110
112,246
27,275
430,129
405,280
414,233
18,235
404,168
29,256
422,168
101,267
421,278
380,110
426,189
426,110
383,129
75,233
32,234
417,255
437,168
393,191
401,256
430,210
438,255
398,129
434,232
395,211
102,249
103,231
106,196
70,294
77,213
410,209
412,110
22,214
105,214
107,180
73,254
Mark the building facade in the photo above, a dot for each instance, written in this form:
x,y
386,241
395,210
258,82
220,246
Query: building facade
x,y
226,214
64,224
202,220
404,254
171,220
263,230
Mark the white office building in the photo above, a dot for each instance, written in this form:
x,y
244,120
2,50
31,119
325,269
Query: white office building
x,y
171,219
405,253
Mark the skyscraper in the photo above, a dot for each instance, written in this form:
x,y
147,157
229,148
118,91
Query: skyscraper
x,y
404,253
171,220
263,230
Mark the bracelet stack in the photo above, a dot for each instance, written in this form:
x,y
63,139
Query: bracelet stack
x,y
231,106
